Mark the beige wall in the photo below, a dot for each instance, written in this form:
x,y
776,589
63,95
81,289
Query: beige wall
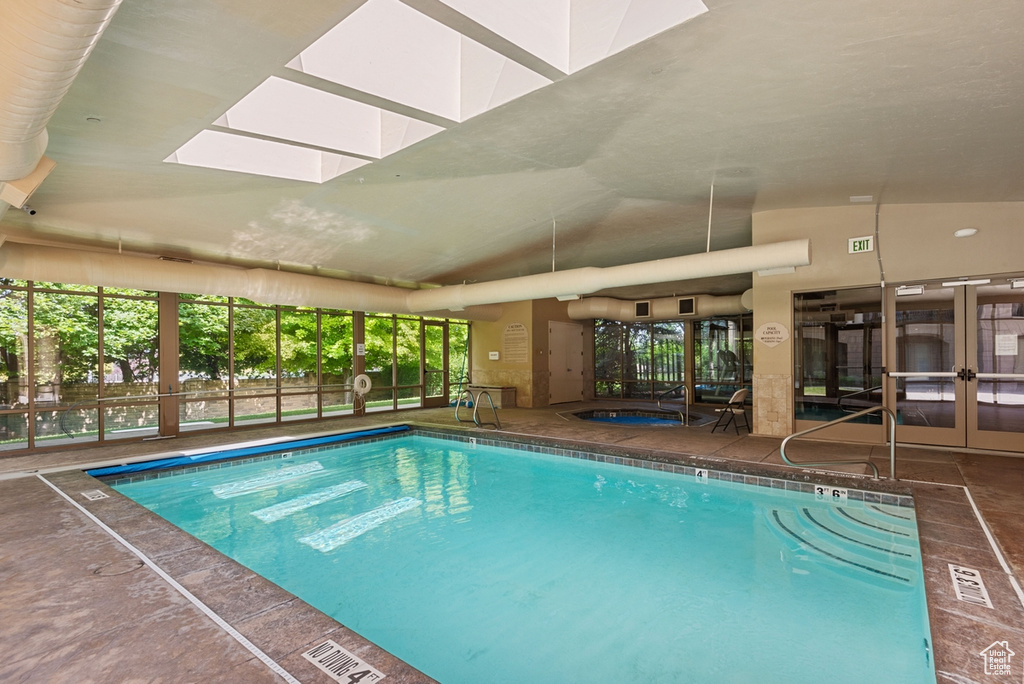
x,y
915,241
531,378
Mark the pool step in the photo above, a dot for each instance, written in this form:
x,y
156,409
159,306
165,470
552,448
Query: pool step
x,y
858,541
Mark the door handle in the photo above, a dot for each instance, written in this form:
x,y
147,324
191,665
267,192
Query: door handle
x,y
966,374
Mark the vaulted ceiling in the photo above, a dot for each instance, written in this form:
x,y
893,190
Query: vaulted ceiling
x,y
789,103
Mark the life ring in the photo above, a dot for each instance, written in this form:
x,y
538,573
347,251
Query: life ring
x,y
362,384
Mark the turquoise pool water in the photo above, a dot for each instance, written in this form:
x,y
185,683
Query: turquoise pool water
x,y
479,564
635,420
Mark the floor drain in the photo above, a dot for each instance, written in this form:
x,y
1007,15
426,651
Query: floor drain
x,y
95,495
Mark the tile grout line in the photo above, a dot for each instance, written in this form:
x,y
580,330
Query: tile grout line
x,y
995,547
234,633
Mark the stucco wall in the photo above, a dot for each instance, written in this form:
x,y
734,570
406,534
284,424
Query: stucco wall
x,y
530,378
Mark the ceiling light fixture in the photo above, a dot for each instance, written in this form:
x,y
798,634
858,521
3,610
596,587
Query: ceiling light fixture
x,y
861,199
908,290
965,232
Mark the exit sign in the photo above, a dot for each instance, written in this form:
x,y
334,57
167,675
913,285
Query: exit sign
x,y
862,244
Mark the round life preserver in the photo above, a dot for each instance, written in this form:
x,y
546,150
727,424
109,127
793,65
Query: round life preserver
x,y
362,384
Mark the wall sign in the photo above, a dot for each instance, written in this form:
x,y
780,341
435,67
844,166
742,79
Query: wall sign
x,y
1006,345
772,334
862,244
515,343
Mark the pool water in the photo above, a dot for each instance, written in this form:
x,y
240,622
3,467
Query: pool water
x,y
485,564
635,420
642,417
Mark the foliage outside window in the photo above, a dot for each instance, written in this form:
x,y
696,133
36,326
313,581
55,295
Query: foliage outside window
x,y
76,363
81,363
723,357
637,360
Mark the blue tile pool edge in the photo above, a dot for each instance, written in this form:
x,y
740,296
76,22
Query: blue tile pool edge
x,y
231,458
215,457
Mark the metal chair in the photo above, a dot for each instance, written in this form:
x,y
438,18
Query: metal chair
x,y
729,412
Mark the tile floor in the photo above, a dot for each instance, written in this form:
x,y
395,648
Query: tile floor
x,y
78,606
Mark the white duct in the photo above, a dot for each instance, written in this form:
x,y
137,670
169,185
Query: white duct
x,y
663,309
581,281
51,264
43,45
473,302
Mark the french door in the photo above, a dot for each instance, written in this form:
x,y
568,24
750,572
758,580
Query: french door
x,y
956,372
434,362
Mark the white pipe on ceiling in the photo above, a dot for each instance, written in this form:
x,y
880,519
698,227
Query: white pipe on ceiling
x,y
662,309
53,264
473,302
581,281
43,45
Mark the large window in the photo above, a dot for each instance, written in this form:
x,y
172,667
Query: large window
x,y
458,359
723,357
637,360
66,352
82,364
837,352
243,363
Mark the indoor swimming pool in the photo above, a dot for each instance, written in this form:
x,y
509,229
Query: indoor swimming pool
x,y
477,562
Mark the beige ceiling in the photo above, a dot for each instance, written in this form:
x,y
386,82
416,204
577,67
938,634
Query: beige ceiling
x,y
789,103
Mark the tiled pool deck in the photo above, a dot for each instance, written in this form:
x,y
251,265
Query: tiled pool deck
x,y
78,606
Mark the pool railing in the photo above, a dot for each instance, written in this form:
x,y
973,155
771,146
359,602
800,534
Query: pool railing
x,y
844,419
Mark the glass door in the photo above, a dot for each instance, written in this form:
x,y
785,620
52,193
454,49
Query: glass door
x,y
434,362
995,381
927,358
957,373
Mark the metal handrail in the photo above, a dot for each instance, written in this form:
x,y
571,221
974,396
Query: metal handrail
x,y
839,402
873,409
145,397
686,399
476,408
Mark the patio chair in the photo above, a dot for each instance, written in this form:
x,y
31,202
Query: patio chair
x,y
731,412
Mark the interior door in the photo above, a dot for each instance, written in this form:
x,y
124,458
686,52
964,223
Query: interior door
x,y
434,361
565,362
958,372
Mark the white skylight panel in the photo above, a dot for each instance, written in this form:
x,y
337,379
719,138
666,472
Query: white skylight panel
x,y
541,27
217,150
601,28
388,49
489,79
398,132
573,34
291,111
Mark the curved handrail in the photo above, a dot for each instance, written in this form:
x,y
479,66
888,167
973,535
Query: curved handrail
x,y
816,428
686,399
458,404
476,408
839,401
